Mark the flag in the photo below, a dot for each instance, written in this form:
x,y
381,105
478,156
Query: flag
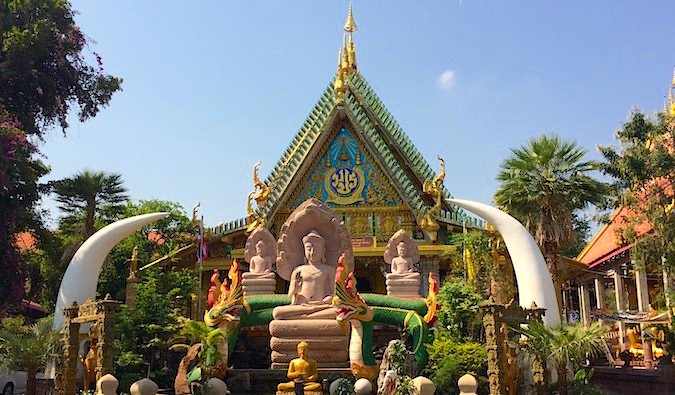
x,y
202,252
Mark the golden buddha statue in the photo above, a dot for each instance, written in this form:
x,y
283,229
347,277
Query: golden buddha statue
x,y
301,369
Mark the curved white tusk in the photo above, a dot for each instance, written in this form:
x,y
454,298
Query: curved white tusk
x,y
81,277
534,280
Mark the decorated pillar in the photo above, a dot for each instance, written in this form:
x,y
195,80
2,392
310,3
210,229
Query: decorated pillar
x,y
71,345
107,308
428,264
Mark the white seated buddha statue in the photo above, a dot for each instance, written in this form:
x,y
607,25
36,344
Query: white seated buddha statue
x,y
260,254
311,285
402,254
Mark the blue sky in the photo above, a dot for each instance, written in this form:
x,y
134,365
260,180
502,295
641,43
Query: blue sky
x,y
211,87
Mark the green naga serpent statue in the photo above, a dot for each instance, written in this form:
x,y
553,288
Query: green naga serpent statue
x,y
232,311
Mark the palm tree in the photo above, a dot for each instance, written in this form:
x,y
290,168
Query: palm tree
x,y
28,348
543,184
88,196
567,345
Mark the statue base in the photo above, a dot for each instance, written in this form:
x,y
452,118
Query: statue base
x,y
328,342
407,288
259,286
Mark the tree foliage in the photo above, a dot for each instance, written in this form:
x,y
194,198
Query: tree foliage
x,y
143,331
459,314
43,75
19,192
567,345
543,184
43,70
27,348
89,197
449,360
643,167
160,238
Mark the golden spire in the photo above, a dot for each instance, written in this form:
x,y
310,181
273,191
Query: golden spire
x,y
346,57
671,101
350,25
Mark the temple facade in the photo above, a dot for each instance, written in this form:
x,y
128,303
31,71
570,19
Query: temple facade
x,y
351,154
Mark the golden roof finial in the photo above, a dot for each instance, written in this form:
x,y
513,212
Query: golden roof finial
x,y
350,25
346,57
673,83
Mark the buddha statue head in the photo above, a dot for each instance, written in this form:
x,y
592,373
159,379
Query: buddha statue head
x,y
302,349
315,248
260,248
402,249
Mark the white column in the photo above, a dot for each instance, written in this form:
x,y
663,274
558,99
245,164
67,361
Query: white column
x,y
620,303
599,292
584,303
667,283
641,288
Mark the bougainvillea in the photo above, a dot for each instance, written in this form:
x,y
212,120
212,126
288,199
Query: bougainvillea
x,y
43,66
19,191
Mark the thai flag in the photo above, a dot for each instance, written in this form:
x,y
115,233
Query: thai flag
x,y
202,252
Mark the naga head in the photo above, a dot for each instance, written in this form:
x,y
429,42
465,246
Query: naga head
x,y
347,301
227,308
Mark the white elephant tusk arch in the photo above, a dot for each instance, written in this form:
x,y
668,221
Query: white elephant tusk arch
x,y
81,277
534,281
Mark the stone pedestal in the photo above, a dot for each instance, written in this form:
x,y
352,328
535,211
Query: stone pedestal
x,y
328,342
403,287
259,284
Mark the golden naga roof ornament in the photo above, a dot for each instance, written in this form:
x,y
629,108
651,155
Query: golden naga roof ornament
x,y
260,194
346,57
434,187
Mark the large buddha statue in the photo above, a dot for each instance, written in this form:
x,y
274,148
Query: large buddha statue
x,y
260,254
312,284
310,243
402,254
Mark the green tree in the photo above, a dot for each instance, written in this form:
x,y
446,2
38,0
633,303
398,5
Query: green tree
x,y
43,70
567,345
160,238
459,315
28,348
643,167
544,184
143,331
86,197
43,74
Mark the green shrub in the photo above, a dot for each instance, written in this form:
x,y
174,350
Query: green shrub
x,y
344,386
459,314
450,360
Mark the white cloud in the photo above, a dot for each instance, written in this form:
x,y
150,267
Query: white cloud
x,y
447,79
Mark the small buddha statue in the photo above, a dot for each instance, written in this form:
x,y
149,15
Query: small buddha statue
x,y
312,284
260,253
402,254
261,262
301,369
402,265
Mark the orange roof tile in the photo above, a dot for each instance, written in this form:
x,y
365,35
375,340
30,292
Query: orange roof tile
x,y
608,237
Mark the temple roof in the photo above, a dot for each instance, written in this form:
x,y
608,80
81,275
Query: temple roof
x,y
383,136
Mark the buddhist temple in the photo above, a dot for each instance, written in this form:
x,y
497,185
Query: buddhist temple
x,y
351,154
605,283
